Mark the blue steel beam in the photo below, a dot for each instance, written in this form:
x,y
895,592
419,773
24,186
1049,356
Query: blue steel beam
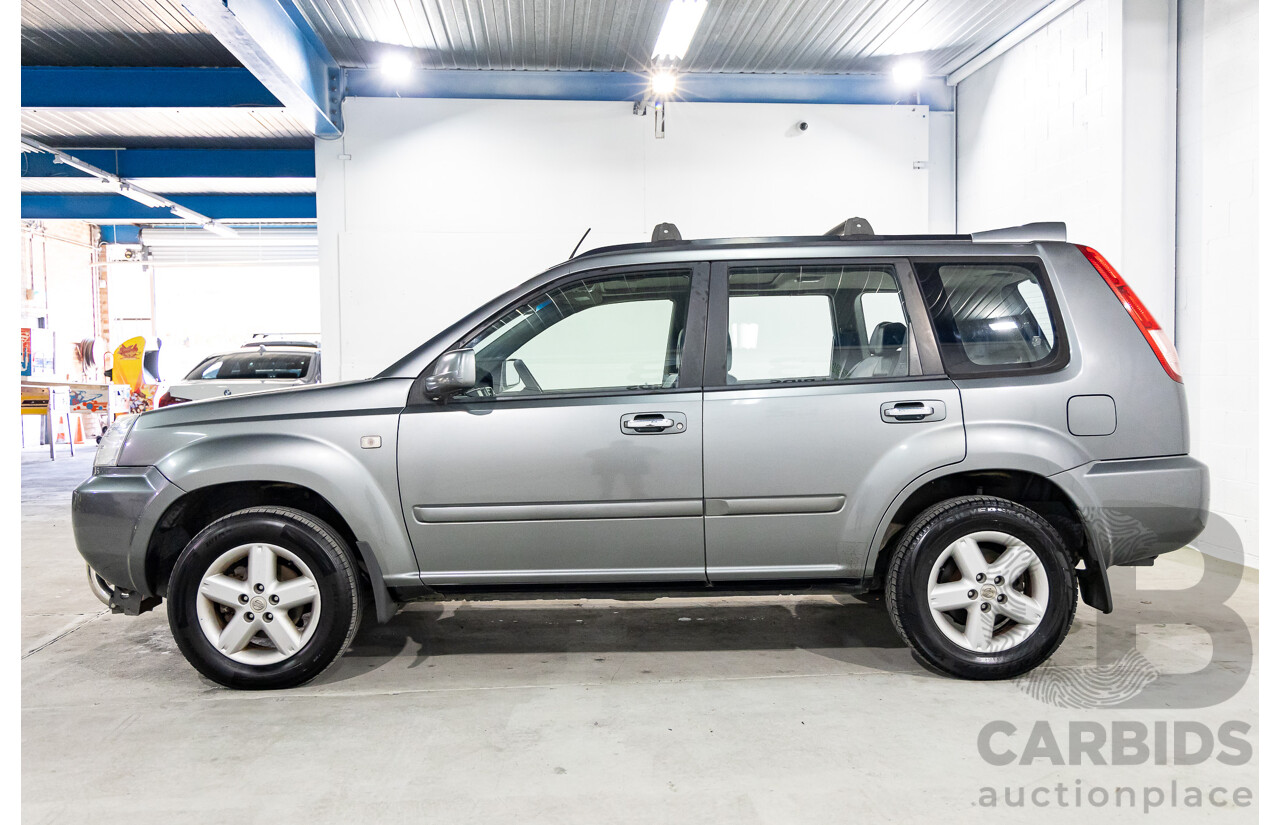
x,y
226,208
707,88
85,87
274,42
179,163
76,87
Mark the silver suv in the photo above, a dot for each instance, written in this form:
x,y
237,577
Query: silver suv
x,y
977,425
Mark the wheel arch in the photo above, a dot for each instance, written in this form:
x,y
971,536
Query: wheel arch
x,y
222,475
1034,490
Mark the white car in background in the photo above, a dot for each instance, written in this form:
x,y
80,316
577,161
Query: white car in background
x,y
268,362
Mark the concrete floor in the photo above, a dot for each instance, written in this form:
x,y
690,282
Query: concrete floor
x,y
752,710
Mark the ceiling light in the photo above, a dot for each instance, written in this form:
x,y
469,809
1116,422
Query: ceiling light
x,y
396,66
908,73
663,85
142,196
678,28
221,230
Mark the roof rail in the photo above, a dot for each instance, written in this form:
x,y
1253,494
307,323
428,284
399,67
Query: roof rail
x,y
1042,231
853,227
261,343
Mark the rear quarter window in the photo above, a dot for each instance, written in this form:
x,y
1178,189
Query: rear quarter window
x,y
992,317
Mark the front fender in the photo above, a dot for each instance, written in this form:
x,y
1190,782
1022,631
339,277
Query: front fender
x,y
364,491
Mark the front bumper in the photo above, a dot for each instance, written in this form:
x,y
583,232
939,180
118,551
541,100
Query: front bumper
x,y
1136,509
113,514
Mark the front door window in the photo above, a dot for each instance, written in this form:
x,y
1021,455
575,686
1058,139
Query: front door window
x,y
614,332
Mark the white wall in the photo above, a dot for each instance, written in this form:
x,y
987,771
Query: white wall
x,y
1038,132
441,204
204,310
1140,131
1218,259
1076,124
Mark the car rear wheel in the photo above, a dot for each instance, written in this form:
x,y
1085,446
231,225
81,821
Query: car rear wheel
x,y
264,598
981,588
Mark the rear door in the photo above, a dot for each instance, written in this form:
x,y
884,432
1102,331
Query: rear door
x,y
578,458
824,398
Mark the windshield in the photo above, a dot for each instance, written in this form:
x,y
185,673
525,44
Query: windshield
x,y
253,365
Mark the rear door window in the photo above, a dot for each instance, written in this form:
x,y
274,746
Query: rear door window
x,y
992,317
801,322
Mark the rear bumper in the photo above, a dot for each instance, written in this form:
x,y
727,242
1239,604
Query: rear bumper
x,y
1136,509
113,514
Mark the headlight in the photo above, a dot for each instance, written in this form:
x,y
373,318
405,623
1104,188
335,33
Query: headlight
x,y
113,441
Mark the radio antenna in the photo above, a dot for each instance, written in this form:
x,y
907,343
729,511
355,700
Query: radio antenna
x,y
580,240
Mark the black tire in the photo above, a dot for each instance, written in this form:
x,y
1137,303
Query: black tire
x,y
920,546
318,546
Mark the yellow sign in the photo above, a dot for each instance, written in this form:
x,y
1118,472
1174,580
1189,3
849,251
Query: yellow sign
x,y
35,400
126,366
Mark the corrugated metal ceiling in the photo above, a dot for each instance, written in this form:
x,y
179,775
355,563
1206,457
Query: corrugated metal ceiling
x,y
758,36
116,33
766,36
175,128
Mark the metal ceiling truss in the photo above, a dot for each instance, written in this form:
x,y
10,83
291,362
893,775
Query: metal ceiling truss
x,y
274,41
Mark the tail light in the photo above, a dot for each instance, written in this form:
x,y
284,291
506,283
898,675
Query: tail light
x,y
1156,337
168,398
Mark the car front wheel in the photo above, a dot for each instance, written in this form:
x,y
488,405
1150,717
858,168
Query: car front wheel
x,y
264,598
981,588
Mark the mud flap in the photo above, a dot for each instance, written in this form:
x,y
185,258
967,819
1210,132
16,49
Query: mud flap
x,y
384,607
1095,587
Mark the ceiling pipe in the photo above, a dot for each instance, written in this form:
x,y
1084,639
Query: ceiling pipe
x,y
136,193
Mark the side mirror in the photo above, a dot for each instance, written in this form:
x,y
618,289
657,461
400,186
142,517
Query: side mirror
x,y
454,372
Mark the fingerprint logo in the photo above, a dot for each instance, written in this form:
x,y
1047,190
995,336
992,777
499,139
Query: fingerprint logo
x,y
1092,686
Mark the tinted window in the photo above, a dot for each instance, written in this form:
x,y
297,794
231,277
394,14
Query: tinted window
x,y
798,323
252,365
616,332
990,316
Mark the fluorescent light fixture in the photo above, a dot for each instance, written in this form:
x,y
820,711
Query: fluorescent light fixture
x,y
908,73
1003,326
221,230
142,196
188,215
77,164
681,22
396,66
662,84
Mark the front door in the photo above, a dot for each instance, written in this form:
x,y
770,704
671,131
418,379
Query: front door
x,y
578,456
823,401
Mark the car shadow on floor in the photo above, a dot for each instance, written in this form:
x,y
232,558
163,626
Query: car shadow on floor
x,y
847,630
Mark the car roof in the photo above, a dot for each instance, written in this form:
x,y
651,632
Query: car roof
x,y
667,237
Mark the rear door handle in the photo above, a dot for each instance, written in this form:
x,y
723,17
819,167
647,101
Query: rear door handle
x,y
903,412
653,423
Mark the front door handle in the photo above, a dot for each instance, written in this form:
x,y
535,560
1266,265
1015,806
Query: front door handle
x,y
909,412
653,423
902,412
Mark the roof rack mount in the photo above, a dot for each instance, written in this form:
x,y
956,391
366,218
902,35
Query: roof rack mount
x,y
665,232
852,228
